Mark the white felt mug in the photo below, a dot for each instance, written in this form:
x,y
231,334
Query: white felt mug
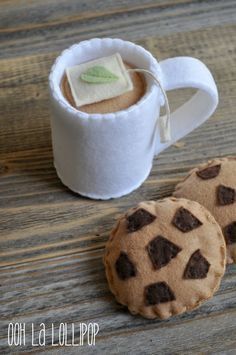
x,y
104,156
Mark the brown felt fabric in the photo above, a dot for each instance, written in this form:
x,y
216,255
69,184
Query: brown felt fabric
x,y
115,104
189,293
206,193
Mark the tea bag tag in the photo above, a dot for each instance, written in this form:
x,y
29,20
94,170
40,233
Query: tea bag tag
x,y
164,121
98,80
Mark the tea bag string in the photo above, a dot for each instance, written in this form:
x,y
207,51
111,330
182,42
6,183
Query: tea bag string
x,y
164,121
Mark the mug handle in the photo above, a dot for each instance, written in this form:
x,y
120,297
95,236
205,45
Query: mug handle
x,y
188,72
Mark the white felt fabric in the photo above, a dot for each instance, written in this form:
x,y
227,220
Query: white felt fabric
x,y
182,72
109,155
86,93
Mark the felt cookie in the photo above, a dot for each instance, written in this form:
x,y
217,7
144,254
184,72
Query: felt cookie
x,y
213,185
164,258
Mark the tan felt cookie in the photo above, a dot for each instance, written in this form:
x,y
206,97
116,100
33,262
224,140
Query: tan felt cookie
x,y
164,258
213,185
114,104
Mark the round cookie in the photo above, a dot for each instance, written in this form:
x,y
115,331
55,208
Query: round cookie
x,y
164,258
121,102
213,185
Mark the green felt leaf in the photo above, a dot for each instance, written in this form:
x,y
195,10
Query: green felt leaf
x,y
98,75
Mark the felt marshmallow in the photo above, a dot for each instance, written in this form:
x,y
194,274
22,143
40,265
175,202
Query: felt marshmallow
x,y
98,80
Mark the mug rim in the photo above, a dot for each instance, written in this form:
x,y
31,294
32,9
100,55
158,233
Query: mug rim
x,y
154,65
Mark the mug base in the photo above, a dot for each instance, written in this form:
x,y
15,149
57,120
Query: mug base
x,y
95,196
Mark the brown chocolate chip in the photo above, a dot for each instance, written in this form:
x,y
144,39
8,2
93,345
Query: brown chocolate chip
x,y
209,173
185,221
139,219
225,195
230,233
124,267
197,266
161,251
158,292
